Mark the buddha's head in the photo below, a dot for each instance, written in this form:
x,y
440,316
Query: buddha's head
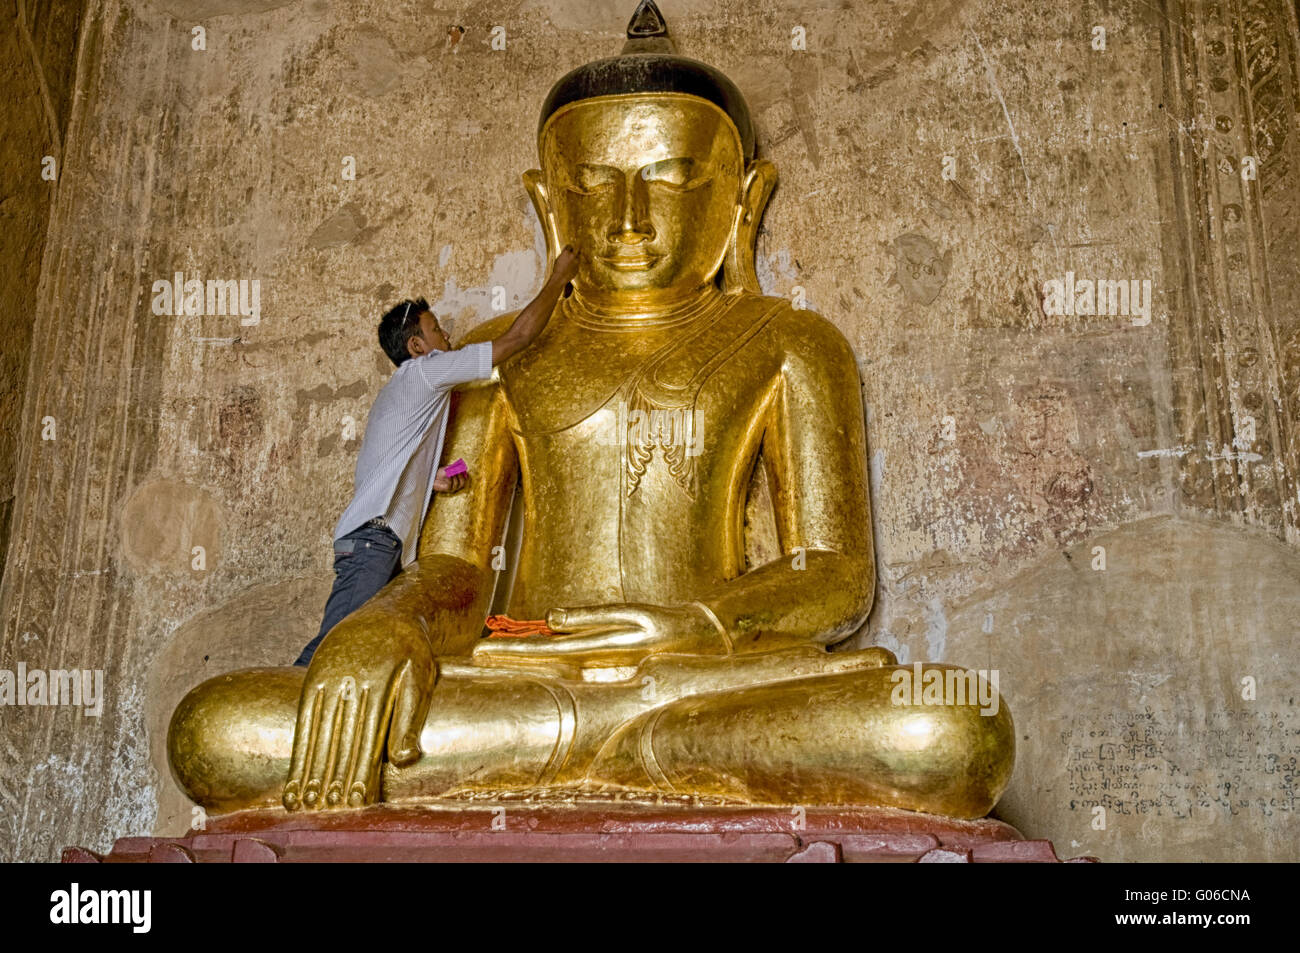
x,y
648,167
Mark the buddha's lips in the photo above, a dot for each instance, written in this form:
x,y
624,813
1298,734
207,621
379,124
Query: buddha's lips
x,y
502,626
630,262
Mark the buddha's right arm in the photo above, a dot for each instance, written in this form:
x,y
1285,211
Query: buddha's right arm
x,y
446,593
370,684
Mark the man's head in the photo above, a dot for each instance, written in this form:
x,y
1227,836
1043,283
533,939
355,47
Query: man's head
x,y
410,330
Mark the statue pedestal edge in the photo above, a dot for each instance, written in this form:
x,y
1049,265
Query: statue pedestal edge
x,y
608,832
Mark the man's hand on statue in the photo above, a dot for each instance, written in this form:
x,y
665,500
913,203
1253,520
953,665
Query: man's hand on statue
x,y
620,634
566,265
365,685
445,484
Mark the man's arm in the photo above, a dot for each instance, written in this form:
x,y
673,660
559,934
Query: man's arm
x,y
533,318
447,369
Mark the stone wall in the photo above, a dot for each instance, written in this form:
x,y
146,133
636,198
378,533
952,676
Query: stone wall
x,y
37,69
1100,508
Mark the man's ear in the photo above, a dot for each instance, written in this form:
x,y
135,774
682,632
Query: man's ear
x,y
536,187
415,345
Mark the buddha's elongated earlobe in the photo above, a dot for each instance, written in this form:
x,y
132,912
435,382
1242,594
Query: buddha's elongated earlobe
x,y
545,214
738,273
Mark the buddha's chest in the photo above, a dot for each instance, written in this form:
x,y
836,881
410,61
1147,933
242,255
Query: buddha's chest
x,y
650,411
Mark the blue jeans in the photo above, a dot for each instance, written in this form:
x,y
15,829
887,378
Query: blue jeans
x,y
365,560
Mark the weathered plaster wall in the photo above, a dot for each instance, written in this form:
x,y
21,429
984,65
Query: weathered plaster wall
x,y
37,66
1005,444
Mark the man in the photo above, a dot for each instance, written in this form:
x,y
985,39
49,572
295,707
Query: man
x,y
378,533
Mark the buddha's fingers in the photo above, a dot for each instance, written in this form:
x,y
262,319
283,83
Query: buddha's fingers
x,y
346,742
304,742
324,749
610,642
576,618
505,648
410,708
363,771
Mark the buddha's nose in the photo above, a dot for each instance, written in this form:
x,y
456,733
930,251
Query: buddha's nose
x,y
631,235
632,228
633,225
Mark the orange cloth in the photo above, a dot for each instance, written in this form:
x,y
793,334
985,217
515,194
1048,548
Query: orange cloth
x,y
503,626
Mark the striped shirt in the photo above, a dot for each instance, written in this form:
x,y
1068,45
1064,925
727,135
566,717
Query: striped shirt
x,y
403,442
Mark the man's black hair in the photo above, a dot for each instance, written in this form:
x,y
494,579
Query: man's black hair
x,y
398,326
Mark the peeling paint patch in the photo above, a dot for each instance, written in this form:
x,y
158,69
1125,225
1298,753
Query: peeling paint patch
x,y
516,273
936,631
774,270
1166,452
901,650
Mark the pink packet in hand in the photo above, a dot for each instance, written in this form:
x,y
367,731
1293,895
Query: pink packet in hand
x,y
456,469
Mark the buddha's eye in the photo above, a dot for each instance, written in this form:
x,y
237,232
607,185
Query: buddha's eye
x,y
676,174
591,179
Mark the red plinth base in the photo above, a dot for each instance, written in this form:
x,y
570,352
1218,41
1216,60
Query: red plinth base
x,y
610,832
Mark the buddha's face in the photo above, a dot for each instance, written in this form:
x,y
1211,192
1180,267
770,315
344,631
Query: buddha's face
x,y
647,187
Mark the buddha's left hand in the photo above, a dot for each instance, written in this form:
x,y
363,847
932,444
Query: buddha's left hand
x,y
619,634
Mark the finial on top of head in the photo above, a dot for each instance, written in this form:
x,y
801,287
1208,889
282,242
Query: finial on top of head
x,y
649,63
647,31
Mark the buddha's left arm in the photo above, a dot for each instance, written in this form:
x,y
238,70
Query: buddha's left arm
x,y
814,445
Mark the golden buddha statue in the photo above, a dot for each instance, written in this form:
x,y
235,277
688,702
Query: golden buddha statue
x,y
633,428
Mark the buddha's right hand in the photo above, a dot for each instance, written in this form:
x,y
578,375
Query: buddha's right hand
x,y
368,682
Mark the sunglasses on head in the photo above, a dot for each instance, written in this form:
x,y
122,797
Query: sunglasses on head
x,y
413,320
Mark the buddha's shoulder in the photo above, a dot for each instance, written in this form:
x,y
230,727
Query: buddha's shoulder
x,y
489,330
798,331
